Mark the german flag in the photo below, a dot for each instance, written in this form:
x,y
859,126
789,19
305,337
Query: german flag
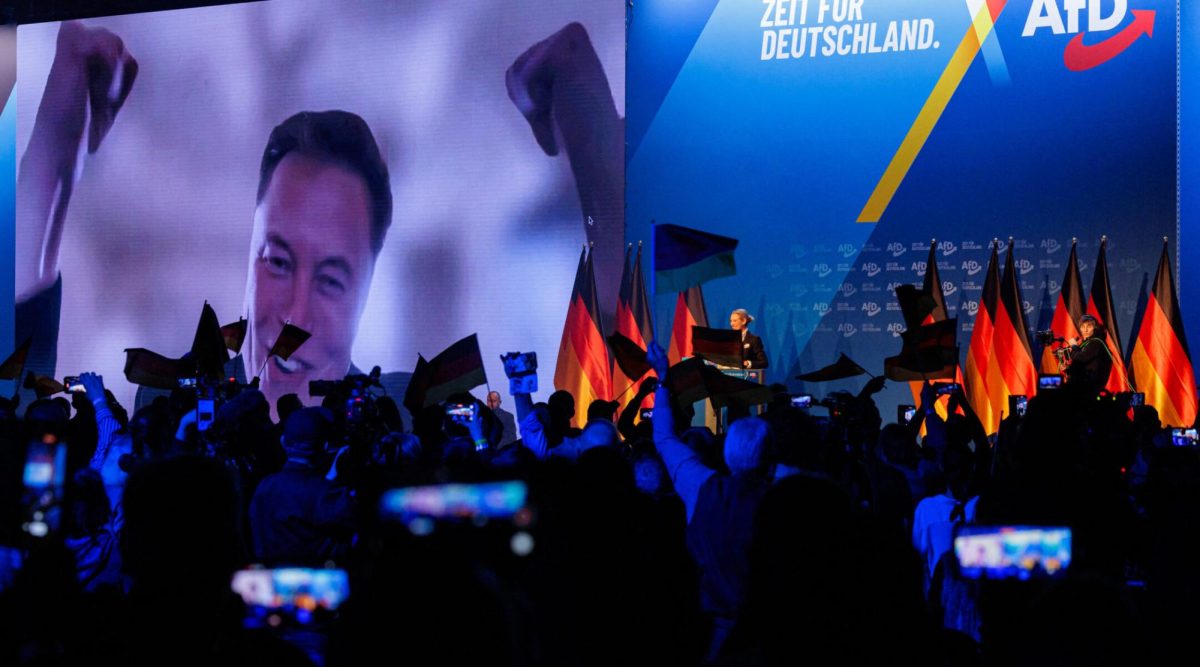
x,y
583,367
1100,306
1160,362
1011,336
684,257
999,360
632,322
1067,311
689,312
931,309
11,368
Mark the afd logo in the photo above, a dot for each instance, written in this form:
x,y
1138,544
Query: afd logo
x,y
821,307
846,250
1052,286
895,328
847,329
893,285
896,249
822,270
919,267
972,308
1068,17
1051,246
871,308
1027,307
1024,265
1130,265
846,289
948,288
947,247
871,269
972,267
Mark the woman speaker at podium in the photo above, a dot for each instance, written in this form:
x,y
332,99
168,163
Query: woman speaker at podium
x,y
753,355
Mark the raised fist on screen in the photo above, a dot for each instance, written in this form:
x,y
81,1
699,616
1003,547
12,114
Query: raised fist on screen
x,y
90,78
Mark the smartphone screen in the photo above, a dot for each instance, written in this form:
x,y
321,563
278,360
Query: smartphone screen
x,y
206,411
905,413
1049,381
44,477
647,413
1184,437
947,388
802,401
460,410
1012,552
295,595
493,500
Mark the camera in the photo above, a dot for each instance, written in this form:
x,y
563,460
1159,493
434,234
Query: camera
x,y
1046,337
521,369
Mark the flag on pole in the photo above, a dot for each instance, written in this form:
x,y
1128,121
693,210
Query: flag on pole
x,y
1011,337
209,351
843,368
12,367
290,339
151,369
458,368
234,335
583,368
1161,363
685,257
689,312
1100,306
633,325
1067,311
982,381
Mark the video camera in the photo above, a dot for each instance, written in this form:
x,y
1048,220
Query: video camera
x,y
521,369
354,391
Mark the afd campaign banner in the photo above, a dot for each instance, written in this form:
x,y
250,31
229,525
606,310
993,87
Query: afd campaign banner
x,y
837,138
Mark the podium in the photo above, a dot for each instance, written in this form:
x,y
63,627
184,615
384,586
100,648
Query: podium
x,y
715,419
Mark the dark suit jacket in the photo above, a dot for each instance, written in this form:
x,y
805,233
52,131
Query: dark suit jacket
x,y
752,351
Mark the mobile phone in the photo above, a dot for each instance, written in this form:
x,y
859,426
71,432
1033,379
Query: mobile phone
x,y
905,414
461,410
206,413
44,478
1185,437
295,595
947,388
1017,404
646,413
187,383
1011,552
492,500
802,400
1137,398
73,385
1049,381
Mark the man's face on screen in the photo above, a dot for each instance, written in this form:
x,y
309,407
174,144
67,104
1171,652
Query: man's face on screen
x,y
310,264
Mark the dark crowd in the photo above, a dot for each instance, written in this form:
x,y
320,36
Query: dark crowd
x,y
796,536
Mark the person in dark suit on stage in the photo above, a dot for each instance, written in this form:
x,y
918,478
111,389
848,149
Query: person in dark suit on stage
x,y
1091,362
753,355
